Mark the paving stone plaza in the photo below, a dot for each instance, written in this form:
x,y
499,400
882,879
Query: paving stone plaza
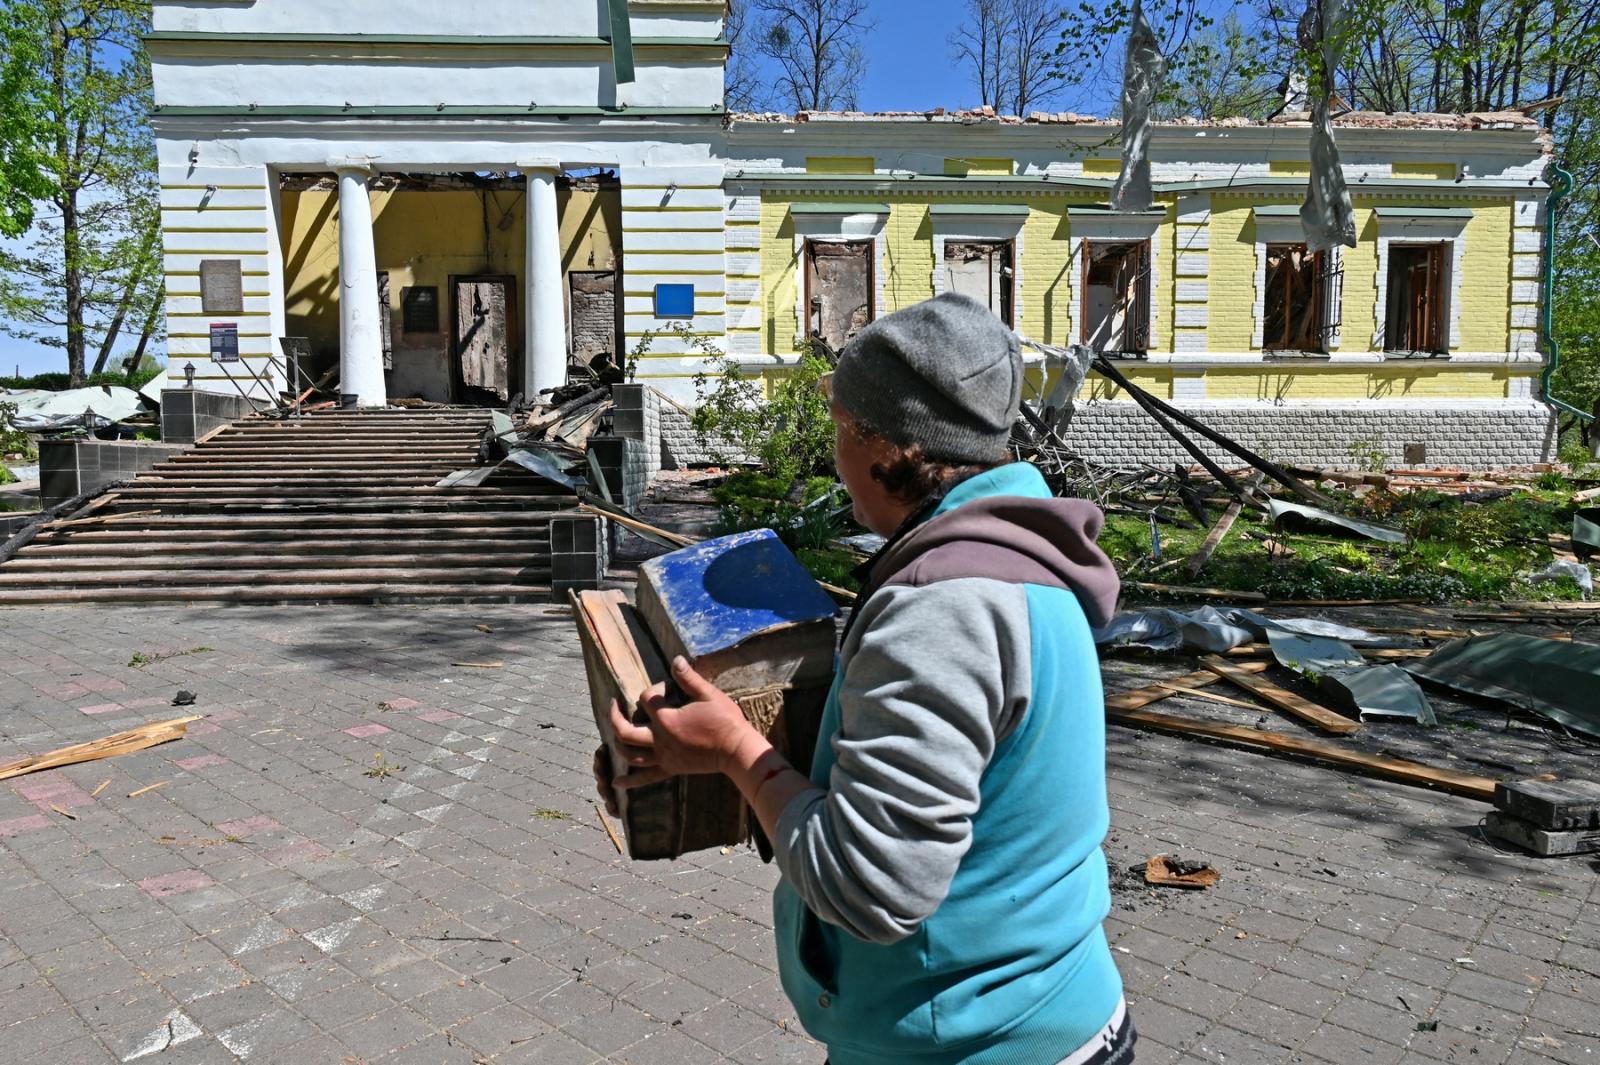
x,y
367,852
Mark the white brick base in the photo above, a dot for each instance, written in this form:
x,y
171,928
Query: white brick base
x,y
1507,433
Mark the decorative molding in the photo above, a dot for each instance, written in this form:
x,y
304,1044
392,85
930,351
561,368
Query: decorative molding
x,y
1413,229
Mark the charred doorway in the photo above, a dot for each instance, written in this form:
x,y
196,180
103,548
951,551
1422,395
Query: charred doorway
x,y
839,289
485,338
1116,296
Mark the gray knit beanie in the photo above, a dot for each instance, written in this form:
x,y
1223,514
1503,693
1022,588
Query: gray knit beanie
x,y
945,374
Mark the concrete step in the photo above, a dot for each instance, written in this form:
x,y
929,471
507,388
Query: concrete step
x,y
141,577
285,592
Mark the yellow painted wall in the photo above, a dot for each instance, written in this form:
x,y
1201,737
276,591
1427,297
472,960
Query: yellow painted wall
x,y
1155,380
1163,306
1275,381
1102,168
905,274
424,237
839,164
1423,171
1289,168
1231,288
1045,311
975,166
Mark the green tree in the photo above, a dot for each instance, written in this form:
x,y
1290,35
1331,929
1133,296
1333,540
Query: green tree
x,y
23,178
90,260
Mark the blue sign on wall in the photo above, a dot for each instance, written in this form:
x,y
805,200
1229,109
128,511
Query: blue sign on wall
x,y
674,301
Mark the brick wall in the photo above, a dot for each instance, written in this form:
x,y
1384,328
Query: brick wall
x,y
1503,434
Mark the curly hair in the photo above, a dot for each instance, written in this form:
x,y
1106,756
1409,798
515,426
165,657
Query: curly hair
x,y
913,475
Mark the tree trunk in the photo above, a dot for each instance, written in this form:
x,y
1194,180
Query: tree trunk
x,y
129,291
67,203
144,334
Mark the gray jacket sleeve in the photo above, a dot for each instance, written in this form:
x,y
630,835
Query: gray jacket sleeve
x,y
937,676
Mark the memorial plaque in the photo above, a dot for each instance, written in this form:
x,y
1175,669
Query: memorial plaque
x,y
224,341
221,287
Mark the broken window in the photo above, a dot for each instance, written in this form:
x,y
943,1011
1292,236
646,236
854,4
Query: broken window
x,y
1415,314
1296,304
839,289
385,321
983,270
419,309
1116,296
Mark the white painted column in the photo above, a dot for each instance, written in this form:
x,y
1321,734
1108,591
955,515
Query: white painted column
x,y
544,314
360,344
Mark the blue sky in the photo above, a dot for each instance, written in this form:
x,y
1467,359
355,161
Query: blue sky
x,y
908,69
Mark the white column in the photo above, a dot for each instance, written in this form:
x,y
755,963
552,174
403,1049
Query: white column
x,y
545,361
360,345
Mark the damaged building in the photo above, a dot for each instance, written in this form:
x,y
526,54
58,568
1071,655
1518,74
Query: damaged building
x,y
439,213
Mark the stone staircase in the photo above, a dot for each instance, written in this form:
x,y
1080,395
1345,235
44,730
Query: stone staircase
x,y
334,506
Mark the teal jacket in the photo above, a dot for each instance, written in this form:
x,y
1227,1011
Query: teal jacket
x,y
943,885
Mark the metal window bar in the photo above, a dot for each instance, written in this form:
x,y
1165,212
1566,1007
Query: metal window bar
x,y
1330,276
1136,319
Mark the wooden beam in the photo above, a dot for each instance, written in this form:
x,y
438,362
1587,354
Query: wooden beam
x,y
1396,769
1285,700
1198,560
109,746
1134,698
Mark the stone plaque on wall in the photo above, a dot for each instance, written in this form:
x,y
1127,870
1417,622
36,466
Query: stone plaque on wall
x,y
221,287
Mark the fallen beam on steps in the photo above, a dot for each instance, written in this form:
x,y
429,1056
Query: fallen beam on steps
x,y
1399,770
1294,705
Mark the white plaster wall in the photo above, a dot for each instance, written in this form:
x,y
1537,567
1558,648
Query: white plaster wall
x,y
461,79
511,18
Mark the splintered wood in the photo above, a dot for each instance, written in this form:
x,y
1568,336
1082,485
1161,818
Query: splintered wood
x,y
136,739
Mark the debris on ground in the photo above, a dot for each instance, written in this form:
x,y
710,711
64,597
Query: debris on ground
x,y
94,408
1214,629
1562,569
1383,690
1164,871
136,739
183,698
1297,518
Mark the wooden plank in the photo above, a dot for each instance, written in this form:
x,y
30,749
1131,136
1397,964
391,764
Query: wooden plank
x,y
1396,769
1225,594
1285,700
1213,539
136,739
1134,698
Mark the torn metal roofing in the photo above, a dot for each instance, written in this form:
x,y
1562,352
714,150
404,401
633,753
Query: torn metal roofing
x,y
1554,678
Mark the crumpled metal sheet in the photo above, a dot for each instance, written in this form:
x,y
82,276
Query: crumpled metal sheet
x,y
39,409
1372,691
1556,679
540,463
1298,516
1327,216
1213,631
1071,367
1586,532
1143,71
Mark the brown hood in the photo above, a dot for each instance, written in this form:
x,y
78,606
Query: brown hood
x,y
1019,539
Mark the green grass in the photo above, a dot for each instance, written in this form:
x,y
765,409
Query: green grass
x,y
1457,550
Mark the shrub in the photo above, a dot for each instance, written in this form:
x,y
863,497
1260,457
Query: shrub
x,y
790,434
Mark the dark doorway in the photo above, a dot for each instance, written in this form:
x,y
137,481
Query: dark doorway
x,y
485,338
839,289
1415,318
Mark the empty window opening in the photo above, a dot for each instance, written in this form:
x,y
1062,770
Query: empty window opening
x,y
983,270
1415,314
839,289
1116,296
1295,311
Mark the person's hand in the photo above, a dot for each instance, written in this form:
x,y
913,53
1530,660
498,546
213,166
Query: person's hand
x,y
602,780
704,735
